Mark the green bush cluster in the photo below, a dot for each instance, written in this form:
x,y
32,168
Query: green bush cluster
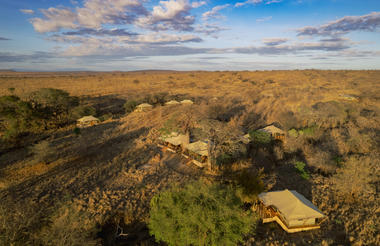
x,y
199,214
300,166
260,137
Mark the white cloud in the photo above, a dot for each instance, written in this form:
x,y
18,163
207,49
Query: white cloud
x,y
274,41
198,4
27,11
268,18
214,12
369,23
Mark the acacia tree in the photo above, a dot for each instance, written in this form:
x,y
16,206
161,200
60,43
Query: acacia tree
x,y
199,214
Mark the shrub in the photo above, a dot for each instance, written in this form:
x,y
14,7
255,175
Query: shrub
x,y
293,133
199,214
299,165
80,111
43,152
357,176
260,137
130,106
250,185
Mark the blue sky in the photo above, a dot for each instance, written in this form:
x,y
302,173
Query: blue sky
x,y
106,35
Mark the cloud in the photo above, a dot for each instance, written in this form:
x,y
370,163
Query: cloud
x,y
93,14
274,41
34,57
169,15
240,4
198,4
369,23
4,39
27,11
279,49
100,32
214,12
209,28
268,18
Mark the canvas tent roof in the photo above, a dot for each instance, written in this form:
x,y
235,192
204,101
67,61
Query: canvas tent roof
x,y
172,102
272,130
291,204
199,147
144,105
187,101
88,119
174,138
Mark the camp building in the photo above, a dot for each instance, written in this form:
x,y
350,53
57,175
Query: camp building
x,y
274,131
172,102
291,210
87,121
187,102
174,141
143,107
198,151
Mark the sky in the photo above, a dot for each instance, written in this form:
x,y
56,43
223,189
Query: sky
x,y
126,35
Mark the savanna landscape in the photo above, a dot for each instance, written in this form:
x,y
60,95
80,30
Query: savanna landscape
x,y
111,184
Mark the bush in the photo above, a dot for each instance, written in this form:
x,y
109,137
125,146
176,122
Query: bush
x,y
358,176
199,214
130,106
299,165
260,137
250,185
43,152
80,111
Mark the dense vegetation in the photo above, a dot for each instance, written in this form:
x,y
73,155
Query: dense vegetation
x,y
199,214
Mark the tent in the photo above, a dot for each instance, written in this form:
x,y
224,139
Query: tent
x,y
87,121
187,102
274,131
199,152
143,107
291,209
172,102
175,141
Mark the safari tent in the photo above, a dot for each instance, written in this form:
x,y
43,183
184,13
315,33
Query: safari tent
x,y
87,121
274,131
198,151
291,210
172,102
143,107
187,102
175,141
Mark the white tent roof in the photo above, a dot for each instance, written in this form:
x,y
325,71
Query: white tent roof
x,y
175,138
291,204
172,102
88,118
144,105
199,147
186,101
272,130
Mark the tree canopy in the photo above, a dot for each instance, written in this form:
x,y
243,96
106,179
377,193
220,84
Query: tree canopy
x,y
199,214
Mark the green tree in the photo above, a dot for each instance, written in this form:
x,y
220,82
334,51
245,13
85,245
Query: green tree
x,y
199,214
16,116
81,111
54,104
130,105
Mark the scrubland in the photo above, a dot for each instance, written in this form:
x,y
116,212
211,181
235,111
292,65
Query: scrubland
x,y
63,186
